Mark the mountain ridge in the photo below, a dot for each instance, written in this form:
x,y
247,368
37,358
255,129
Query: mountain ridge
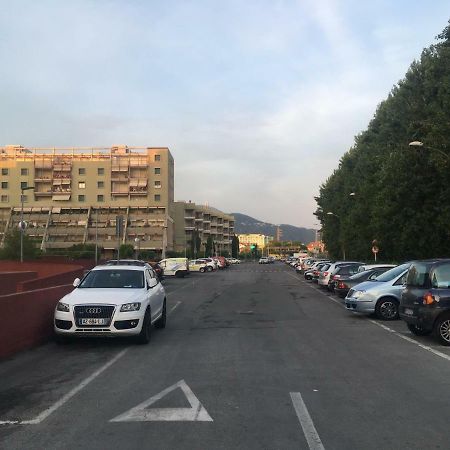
x,y
244,224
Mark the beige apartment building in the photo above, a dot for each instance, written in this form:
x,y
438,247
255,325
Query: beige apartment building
x,y
246,240
79,192
207,221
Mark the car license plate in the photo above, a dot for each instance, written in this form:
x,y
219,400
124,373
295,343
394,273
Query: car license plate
x,y
409,312
93,321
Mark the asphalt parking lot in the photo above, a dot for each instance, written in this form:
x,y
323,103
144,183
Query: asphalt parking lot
x,y
253,357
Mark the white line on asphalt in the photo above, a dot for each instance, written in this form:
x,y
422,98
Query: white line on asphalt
x,y
309,430
44,414
174,307
181,287
406,338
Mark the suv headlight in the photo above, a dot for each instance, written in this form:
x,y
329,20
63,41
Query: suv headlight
x,y
64,307
358,294
130,307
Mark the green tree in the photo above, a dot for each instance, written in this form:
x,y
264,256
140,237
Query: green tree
x,y
235,246
11,247
400,192
209,246
126,251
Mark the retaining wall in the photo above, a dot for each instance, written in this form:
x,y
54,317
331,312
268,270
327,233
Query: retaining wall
x,y
26,318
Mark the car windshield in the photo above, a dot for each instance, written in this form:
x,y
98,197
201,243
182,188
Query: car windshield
x,y
393,273
121,278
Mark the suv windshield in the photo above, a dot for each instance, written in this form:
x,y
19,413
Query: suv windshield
x,y
131,279
393,273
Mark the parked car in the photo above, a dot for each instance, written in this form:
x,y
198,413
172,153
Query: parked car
x,y
112,300
221,261
158,270
178,267
344,284
198,265
381,296
263,260
425,301
365,267
313,272
342,271
126,262
211,263
324,277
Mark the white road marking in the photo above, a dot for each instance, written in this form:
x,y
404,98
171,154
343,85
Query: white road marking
x,y
406,338
173,308
309,430
44,414
413,341
140,413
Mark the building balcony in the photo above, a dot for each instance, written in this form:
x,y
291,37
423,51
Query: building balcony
x,y
189,228
43,193
119,193
119,168
188,217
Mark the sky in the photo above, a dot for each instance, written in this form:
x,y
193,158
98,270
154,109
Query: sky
x,y
257,100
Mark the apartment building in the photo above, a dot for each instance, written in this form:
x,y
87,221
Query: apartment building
x,y
78,193
246,240
206,221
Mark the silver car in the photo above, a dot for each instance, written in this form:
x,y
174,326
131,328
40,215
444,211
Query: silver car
x,y
380,296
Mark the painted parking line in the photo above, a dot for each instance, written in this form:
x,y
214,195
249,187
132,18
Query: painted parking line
x,y
309,430
386,328
44,414
63,400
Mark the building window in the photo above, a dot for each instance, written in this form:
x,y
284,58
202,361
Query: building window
x,y
100,184
24,198
4,198
100,198
23,172
81,185
23,184
4,185
158,184
157,157
5,171
81,171
81,198
157,198
157,170
100,171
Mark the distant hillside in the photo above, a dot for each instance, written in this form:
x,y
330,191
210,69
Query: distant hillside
x,y
246,224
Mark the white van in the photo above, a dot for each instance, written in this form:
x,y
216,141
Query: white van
x,y
178,267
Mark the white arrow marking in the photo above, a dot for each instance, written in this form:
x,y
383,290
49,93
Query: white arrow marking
x,y
140,414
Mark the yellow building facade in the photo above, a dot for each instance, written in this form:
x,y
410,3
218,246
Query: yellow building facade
x,y
78,193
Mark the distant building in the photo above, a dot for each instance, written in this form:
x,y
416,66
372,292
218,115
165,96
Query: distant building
x,y
79,192
316,247
206,221
246,240
278,234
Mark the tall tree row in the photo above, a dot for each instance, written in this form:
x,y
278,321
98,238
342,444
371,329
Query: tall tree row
x,y
401,192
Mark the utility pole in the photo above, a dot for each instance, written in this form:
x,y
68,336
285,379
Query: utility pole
x,y
22,223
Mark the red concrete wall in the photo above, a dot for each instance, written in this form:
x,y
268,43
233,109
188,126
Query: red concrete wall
x,y
43,268
9,280
26,318
52,280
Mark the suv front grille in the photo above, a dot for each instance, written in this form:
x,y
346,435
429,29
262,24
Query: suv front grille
x,y
93,312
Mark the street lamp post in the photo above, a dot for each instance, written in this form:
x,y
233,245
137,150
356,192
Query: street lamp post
x,y
330,213
422,145
22,223
137,247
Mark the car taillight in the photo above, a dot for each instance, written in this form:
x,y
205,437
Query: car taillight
x,y
325,274
342,285
336,277
316,272
428,299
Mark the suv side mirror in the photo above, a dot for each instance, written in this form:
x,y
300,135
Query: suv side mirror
x,y
152,283
76,282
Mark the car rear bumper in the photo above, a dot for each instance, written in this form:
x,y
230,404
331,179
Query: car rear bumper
x,y
421,316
